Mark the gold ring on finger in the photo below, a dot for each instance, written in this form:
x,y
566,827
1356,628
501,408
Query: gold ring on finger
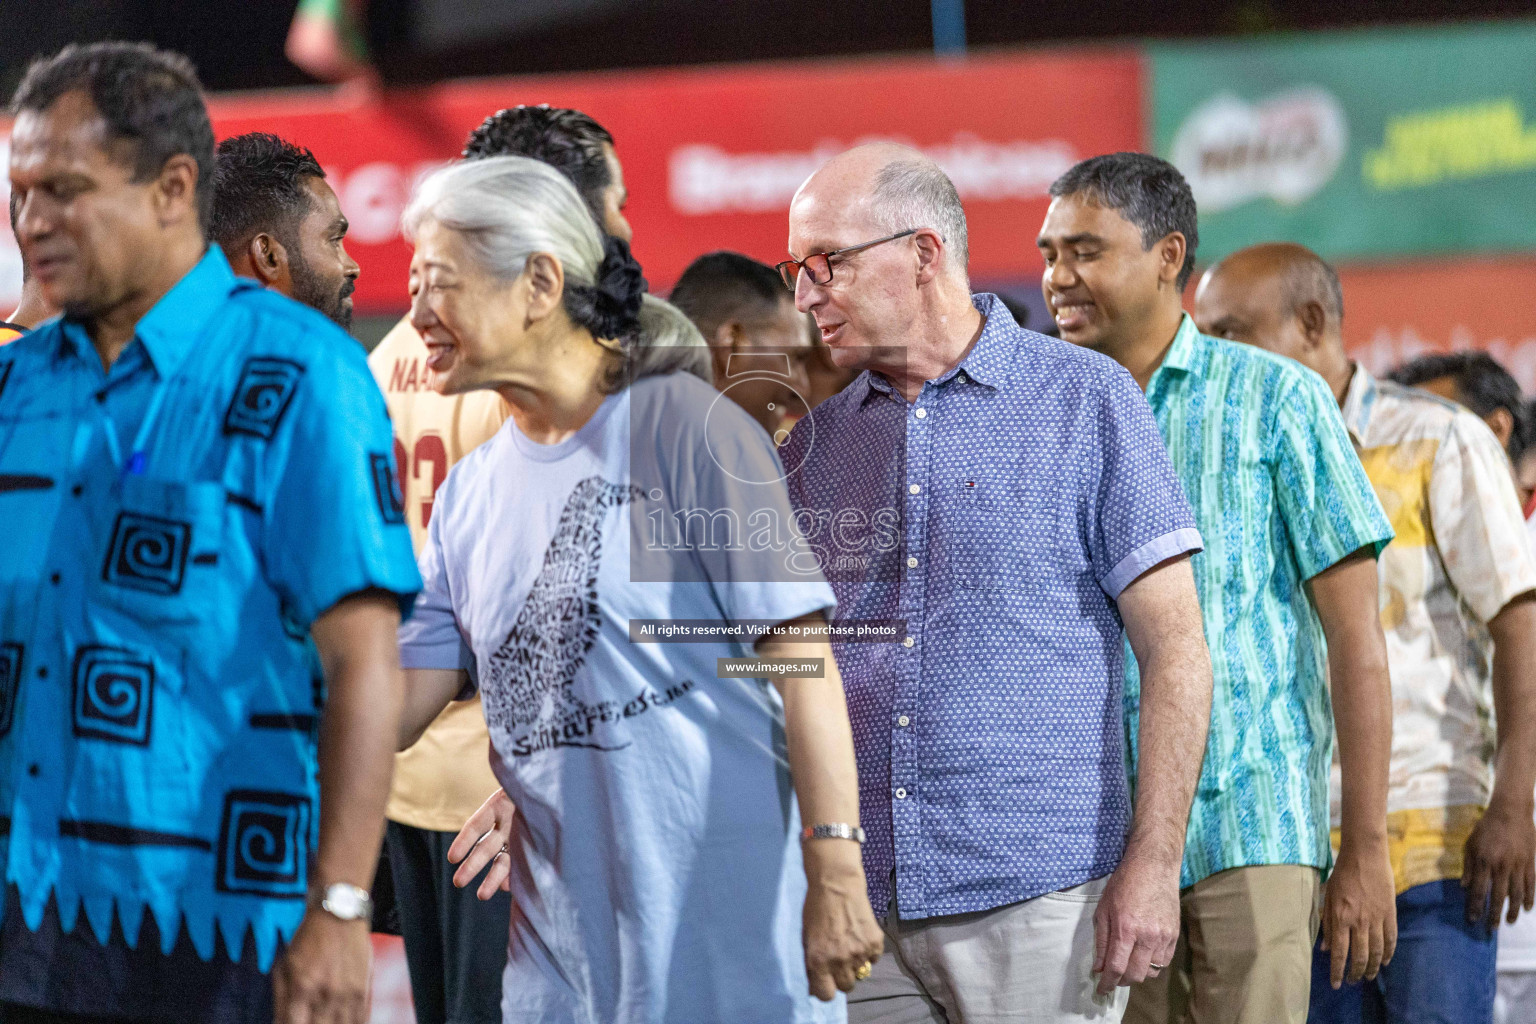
x,y
863,971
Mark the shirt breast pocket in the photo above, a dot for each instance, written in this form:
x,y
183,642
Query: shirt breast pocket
x,y
996,537
160,566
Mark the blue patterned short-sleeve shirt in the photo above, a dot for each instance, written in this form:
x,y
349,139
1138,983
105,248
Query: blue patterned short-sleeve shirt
x,y
173,525
999,515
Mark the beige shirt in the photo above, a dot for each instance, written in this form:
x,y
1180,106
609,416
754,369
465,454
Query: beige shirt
x,y
446,775
1459,556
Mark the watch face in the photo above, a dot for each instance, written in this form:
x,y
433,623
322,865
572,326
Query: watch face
x,y
344,901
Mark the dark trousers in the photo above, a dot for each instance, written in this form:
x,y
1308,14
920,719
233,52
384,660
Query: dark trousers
x,y
1443,971
455,945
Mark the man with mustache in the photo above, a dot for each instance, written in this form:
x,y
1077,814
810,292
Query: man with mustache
x,y
279,222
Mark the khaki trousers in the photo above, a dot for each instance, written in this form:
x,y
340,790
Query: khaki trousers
x,y
1244,954
1025,963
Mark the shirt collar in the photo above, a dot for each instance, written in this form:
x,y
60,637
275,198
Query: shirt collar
x,y
988,361
1359,401
171,328
1182,353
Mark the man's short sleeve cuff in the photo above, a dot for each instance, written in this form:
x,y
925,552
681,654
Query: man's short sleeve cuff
x,y
1313,563
1159,549
450,655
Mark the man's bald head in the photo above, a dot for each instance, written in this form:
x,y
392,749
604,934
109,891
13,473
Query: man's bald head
x,y
1301,274
1281,297
893,225
886,187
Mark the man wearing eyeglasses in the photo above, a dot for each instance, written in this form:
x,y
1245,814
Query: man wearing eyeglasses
x,y
1007,498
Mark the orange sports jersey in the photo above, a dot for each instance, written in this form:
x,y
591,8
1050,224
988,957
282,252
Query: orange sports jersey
x,y
10,332
446,775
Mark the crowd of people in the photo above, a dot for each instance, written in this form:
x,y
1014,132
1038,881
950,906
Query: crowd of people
x,y
819,645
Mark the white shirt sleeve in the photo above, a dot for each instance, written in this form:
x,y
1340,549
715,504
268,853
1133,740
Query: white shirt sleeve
x,y
432,636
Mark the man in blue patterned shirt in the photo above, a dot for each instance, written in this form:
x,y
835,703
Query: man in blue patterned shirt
x,y
1288,593
204,552
1006,496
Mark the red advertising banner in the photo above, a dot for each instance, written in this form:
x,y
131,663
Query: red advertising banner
x,y
712,156
1394,313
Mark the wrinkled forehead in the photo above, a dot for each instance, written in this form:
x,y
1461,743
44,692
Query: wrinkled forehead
x,y
830,213
70,132
1079,214
437,247
1240,287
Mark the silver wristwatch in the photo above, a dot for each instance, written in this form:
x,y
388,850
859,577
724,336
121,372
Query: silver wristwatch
x,y
347,902
835,831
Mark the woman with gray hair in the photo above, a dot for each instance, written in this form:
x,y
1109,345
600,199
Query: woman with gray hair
x,y
655,856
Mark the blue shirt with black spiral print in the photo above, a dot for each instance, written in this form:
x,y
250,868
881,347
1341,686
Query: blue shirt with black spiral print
x,y
172,525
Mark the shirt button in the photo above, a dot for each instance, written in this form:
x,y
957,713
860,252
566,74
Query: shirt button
x,y
911,563
77,490
33,769
42,671
55,578
901,794
922,414
914,489
903,721
962,376
908,642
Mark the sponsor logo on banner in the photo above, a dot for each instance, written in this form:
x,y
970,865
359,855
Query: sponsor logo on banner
x,y
1286,147
705,179
1456,143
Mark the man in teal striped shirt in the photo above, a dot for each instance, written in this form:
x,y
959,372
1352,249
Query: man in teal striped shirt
x,y
1288,591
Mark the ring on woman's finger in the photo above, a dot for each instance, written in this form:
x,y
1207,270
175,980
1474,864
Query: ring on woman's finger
x,y
1157,967
500,851
863,971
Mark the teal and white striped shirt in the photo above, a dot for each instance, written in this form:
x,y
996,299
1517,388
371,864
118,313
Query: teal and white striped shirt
x,y
1279,495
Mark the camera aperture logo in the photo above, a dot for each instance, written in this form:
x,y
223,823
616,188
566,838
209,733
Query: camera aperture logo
x,y
732,517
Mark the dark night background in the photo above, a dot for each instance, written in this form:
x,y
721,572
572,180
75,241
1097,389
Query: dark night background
x,y
239,45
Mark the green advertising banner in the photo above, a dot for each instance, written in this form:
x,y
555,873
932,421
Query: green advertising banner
x,y
1357,144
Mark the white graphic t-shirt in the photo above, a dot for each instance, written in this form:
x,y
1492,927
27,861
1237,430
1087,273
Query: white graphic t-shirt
x,y
656,872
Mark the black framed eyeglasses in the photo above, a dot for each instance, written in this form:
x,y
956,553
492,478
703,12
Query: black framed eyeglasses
x,y
819,264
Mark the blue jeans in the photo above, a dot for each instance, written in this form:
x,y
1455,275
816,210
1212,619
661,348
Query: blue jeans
x,y
1442,973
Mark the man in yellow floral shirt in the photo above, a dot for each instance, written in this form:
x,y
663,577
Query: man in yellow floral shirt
x,y
1458,607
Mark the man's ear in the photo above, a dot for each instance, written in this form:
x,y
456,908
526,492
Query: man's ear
x,y
728,335
545,280
268,260
1171,252
175,190
1314,322
721,344
930,253
1502,424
